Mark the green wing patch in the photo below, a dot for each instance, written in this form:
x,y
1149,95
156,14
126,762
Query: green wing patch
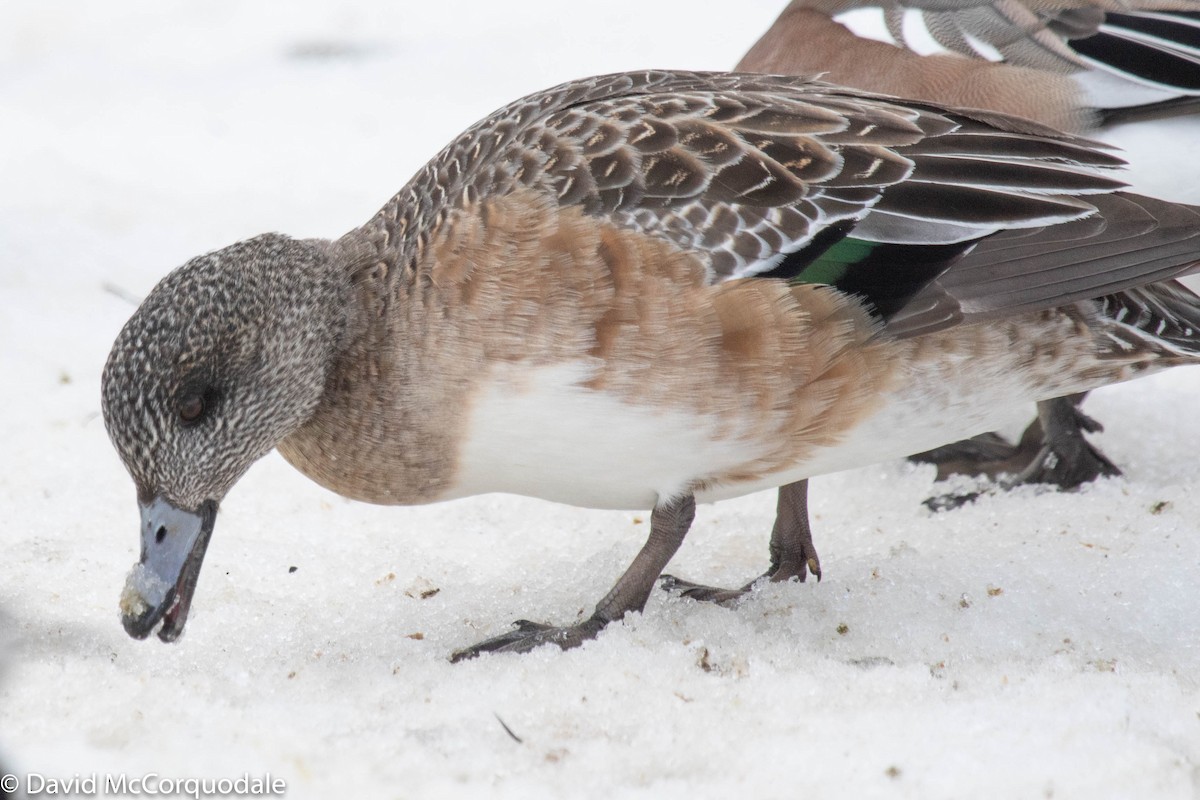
x,y
832,265
886,275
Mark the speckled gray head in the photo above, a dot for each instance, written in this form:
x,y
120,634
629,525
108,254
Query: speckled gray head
x,y
227,355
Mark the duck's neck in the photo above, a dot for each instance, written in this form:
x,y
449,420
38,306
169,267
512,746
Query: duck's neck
x,y
385,427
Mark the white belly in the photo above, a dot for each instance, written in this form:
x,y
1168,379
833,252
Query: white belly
x,y
541,433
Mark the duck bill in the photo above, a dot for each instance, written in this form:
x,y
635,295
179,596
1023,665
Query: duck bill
x,y
160,586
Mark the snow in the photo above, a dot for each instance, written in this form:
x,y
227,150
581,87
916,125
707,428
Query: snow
x,y
1030,645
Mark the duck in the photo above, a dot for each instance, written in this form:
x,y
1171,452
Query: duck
x,y
1072,64
646,290
1118,71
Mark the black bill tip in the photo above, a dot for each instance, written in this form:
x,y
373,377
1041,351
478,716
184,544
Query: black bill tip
x,y
160,586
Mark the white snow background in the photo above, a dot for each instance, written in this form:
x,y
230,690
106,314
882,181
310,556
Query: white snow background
x,y
1032,645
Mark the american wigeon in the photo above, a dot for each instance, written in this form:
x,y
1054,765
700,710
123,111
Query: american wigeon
x,y
643,290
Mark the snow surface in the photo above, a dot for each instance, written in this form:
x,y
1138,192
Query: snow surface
x,y
1029,646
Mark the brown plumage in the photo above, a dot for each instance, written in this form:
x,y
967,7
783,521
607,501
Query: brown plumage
x,y
1016,56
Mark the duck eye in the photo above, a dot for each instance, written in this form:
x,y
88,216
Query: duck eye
x,y
191,409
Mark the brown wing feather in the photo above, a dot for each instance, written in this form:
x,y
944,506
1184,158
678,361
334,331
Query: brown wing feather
x,y
738,168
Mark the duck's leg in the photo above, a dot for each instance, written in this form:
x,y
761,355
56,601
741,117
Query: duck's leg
x,y
792,552
669,523
1053,450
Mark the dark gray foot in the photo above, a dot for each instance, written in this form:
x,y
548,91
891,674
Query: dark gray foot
x,y
792,552
529,635
700,591
987,454
1066,459
668,525
1053,451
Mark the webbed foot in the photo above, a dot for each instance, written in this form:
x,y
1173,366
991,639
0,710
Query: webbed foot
x,y
699,591
1053,451
1066,458
529,635
988,454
